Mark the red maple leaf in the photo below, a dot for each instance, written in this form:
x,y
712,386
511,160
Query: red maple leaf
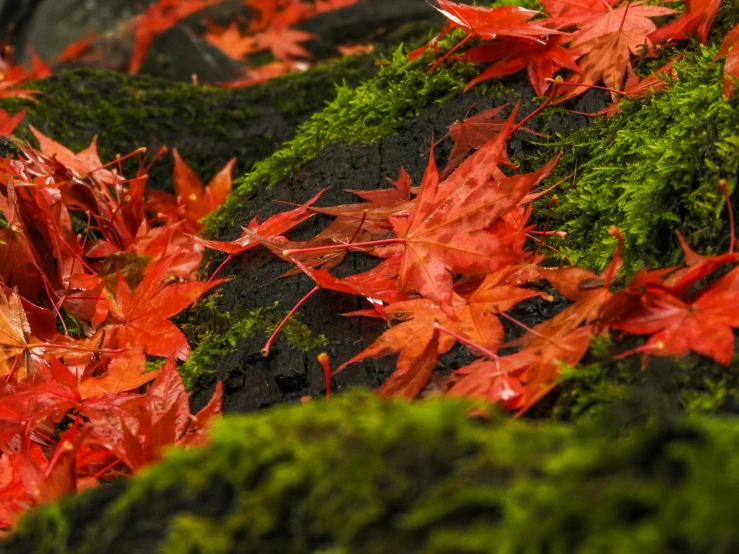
x,y
474,319
731,65
566,13
511,55
157,18
75,49
446,232
138,428
701,322
283,42
492,23
631,19
199,201
519,381
8,122
474,131
271,228
696,19
125,372
231,41
487,24
605,45
141,317
634,87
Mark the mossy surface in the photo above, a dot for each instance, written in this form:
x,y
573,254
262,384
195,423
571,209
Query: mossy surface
x,y
652,170
220,334
362,476
208,125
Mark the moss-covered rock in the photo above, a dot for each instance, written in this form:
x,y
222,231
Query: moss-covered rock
x,y
208,125
361,476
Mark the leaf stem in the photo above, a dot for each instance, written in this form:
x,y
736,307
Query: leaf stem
x,y
323,360
268,345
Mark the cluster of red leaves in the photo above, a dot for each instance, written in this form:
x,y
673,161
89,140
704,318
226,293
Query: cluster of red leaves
x,y
454,261
270,29
82,246
594,40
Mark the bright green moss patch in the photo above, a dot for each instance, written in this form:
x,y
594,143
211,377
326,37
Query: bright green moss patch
x,y
362,476
652,170
221,334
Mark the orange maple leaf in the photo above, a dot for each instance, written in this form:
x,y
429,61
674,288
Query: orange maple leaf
x,y
199,201
141,317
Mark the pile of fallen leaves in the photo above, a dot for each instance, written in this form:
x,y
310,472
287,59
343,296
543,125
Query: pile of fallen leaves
x,y
92,266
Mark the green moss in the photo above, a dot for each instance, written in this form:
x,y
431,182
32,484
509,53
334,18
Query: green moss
x,y
208,125
399,91
693,384
362,476
652,170
221,334
220,338
299,335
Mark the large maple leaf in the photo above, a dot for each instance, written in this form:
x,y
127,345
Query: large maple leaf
x,y
631,19
603,58
474,319
701,322
446,232
508,56
141,317
606,44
